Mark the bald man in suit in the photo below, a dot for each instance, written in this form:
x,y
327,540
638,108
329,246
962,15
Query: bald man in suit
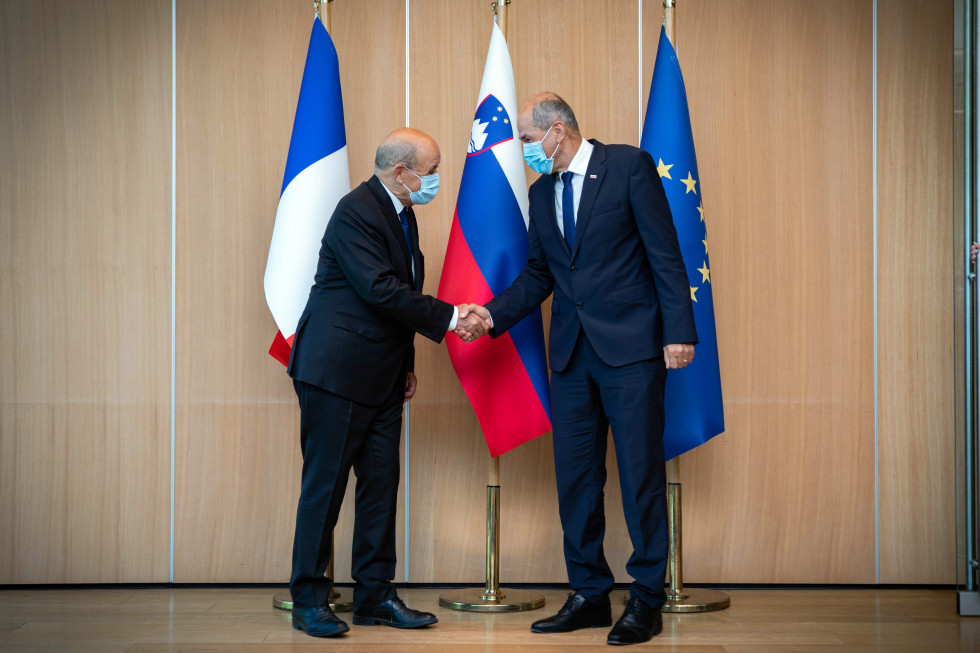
x,y
352,364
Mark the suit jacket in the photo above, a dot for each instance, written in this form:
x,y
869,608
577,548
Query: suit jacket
x,y
356,335
624,283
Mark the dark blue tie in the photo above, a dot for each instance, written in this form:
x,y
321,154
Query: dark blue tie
x,y
403,218
568,208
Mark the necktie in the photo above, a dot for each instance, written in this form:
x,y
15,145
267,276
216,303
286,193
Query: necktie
x,y
403,218
568,208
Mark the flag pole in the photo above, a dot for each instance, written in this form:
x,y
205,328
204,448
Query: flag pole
x,y
492,598
678,598
284,600
324,15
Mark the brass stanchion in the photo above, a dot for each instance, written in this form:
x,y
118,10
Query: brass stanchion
x,y
284,600
679,599
492,598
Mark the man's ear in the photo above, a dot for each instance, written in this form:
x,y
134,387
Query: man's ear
x,y
397,171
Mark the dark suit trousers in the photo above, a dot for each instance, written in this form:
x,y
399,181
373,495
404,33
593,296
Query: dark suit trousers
x,y
587,398
336,435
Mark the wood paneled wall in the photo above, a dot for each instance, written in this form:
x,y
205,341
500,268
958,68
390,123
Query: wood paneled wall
x,y
916,292
788,492
781,96
85,292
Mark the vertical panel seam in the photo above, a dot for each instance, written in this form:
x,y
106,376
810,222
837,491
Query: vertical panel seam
x,y
969,289
639,72
407,481
407,67
173,268
874,228
408,404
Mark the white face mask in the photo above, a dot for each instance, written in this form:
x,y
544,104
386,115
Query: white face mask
x,y
535,158
428,190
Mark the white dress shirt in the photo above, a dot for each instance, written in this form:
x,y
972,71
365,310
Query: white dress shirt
x,y
578,166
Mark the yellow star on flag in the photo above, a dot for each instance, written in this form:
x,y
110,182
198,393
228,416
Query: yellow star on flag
x,y
506,122
705,246
500,108
705,273
663,169
495,118
700,208
693,290
689,182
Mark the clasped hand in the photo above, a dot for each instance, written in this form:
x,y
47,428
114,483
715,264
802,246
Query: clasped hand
x,y
473,322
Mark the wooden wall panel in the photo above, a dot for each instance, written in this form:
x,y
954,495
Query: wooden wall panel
x,y
781,100
780,97
85,292
449,459
238,458
917,265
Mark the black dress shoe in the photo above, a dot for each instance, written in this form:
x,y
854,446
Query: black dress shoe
x,y
319,621
392,613
639,623
576,613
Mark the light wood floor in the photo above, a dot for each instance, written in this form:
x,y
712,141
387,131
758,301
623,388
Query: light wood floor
x,y
243,620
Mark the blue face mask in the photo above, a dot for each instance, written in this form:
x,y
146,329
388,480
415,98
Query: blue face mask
x,y
428,190
535,158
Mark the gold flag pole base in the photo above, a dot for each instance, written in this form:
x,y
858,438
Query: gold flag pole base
x,y
284,601
694,600
697,600
680,598
492,598
474,599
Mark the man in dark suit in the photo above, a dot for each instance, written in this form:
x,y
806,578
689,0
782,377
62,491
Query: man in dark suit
x,y
602,237
352,365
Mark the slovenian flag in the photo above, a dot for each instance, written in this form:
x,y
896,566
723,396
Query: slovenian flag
x,y
315,180
694,408
505,379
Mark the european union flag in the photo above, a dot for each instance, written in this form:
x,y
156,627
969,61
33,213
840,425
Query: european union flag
x,y
694,412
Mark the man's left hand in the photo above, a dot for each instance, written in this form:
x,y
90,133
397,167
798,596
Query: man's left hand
x,y
411,383
678,356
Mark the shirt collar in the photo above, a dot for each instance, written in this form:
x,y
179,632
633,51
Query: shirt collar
x,y
580,162
394,200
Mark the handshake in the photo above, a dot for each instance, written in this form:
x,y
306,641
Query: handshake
x,y
474,321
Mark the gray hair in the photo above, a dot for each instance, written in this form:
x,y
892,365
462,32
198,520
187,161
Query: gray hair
x,y
550,109
394,151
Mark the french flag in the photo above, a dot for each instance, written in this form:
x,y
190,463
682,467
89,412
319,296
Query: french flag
x,y
506,379
316,178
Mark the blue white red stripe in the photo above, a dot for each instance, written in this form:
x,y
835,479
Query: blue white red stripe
x,y
316,178
505,379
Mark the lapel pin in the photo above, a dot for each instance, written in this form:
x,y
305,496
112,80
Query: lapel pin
x,y
591,176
